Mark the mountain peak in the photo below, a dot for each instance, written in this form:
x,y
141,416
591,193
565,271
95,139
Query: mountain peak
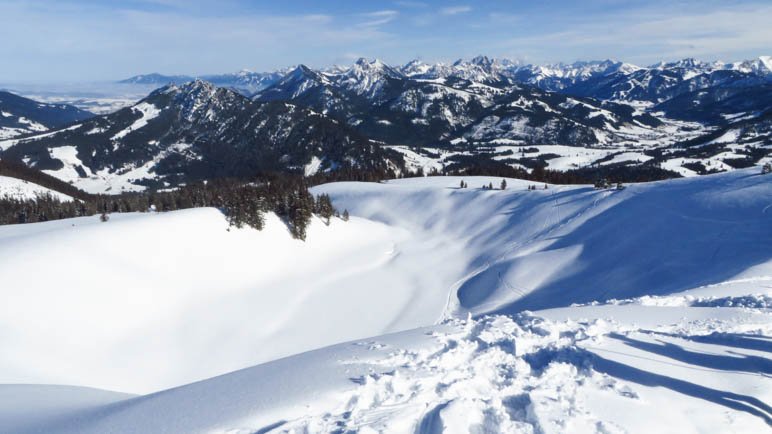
x,y
197,85
483,61
767,61
361,62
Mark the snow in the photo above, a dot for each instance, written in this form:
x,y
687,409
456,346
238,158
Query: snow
x,y
9,132
8,143
148,112
628,156
19,189
730,136
312,167
552,371
167,291
46,403
108,180
564,309
767,61
68,155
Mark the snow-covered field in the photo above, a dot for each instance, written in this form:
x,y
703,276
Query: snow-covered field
x,y
564,309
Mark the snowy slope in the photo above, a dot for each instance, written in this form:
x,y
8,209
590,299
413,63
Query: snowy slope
x,y
673,280
164,289
565,244
19,189
604,368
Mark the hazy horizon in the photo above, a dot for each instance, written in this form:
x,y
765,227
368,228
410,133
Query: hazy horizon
x,y
88,40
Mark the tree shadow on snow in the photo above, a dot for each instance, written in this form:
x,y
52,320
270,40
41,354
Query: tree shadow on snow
x,y
661,242
744,341
734,401
584,359
745,363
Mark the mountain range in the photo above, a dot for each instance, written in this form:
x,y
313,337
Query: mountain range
x,y
605,79
195,131
680,118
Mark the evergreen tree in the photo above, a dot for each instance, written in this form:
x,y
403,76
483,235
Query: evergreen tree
x,y
345,215
324,207
503,184
490,186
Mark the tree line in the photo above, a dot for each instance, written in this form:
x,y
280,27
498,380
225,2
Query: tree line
x,y
243,203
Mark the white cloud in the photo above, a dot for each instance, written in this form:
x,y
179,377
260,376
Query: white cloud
x,y
378,18
86,44
649,36
455,10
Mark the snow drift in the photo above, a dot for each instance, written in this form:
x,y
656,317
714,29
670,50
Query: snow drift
x,y
664,274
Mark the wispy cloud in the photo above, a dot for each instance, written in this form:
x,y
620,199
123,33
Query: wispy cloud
x,y
91,44
649,35
455,10
378,18
86,39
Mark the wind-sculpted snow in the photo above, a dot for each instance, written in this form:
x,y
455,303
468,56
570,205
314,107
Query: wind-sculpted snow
x,y
541,372
648,309
574,244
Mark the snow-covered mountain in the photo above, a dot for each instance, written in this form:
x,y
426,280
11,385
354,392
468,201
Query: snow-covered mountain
x,y
245,81
604,79
400,107
156,79
20,116
468,105
195,131
549,310
481,112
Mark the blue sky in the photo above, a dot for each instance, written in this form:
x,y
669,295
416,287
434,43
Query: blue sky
x,y
82,40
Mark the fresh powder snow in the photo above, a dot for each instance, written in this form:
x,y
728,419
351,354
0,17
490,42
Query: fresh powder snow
x,y
435,308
